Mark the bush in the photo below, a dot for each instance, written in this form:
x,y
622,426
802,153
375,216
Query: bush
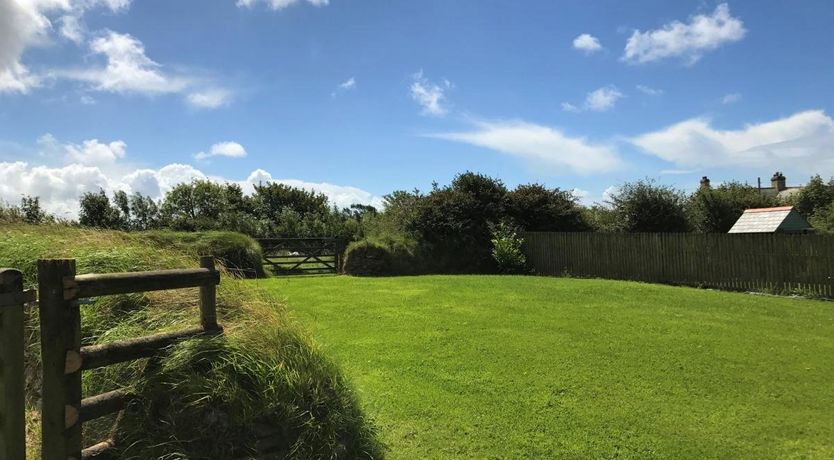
x,y
645,206
506,249
366,258
239,253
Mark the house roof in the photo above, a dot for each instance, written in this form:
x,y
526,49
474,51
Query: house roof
x,y
770,220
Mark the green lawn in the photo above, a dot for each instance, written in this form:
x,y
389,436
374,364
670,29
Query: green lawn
x,y
513,367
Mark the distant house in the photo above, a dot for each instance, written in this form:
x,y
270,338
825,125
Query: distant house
x,y
778,186
784,219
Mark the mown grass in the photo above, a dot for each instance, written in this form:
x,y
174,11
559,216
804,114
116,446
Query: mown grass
x,y
203,399
532,367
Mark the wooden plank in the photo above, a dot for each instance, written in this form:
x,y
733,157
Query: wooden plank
x,y
208,297
60,332
100,451
12,397
95,356
104,404
94,285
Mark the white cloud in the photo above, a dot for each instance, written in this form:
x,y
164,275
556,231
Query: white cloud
x,y
599,100
93,152
72,29
430,96
279,4
128,69
26,23
350,83
731,98
568,107
347,85
60,187
649,90
209,99
688,41
223,149
609,193
802,142
587,43
602,99
541,145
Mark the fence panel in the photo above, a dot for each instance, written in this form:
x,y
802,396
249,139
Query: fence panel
x,y
777,262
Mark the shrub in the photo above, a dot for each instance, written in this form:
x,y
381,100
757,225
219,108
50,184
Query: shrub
x,y
645,206
239,253
367,258
506,249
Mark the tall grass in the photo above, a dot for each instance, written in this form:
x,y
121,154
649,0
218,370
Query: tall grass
x,y
203,398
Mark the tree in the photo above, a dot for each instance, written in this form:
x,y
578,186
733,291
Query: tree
x,y
453,223
96,211
644,206
144,211
816,195
31,209
537,208
715,210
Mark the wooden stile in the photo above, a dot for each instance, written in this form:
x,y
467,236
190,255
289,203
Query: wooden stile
x,y
63,410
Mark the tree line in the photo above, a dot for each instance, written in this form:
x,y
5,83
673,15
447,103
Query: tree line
x,y
443,219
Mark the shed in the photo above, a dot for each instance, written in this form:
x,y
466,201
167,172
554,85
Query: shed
x,y
783,219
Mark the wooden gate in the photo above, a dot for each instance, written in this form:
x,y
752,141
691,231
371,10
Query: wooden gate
x,y
303,255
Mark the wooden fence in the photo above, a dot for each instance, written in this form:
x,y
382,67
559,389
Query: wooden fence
x,y
756,262
303,255
63,409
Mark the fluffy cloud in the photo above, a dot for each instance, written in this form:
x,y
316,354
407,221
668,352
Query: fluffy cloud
x,y
541,145
223,149
93,165
688,41
430,96
602,99
802,142
279,4
209,99
93,152
587,43
599,100
128,69
25,23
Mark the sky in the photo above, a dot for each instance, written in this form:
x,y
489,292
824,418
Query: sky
x,y
358,98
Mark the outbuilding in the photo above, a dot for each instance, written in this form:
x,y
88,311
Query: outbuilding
x,y
783,219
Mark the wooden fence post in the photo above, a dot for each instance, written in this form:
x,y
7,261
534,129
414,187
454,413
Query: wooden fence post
x,y
60,333
12,399
208,299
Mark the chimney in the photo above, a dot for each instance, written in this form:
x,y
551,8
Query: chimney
x,y
705,183
778,181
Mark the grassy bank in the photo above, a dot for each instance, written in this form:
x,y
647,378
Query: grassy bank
x,y
530,367
206,396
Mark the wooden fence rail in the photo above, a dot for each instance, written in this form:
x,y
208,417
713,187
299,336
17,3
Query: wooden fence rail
x,y
63,409
759,262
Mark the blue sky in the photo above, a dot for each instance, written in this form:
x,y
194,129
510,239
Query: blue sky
x,y
356,98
